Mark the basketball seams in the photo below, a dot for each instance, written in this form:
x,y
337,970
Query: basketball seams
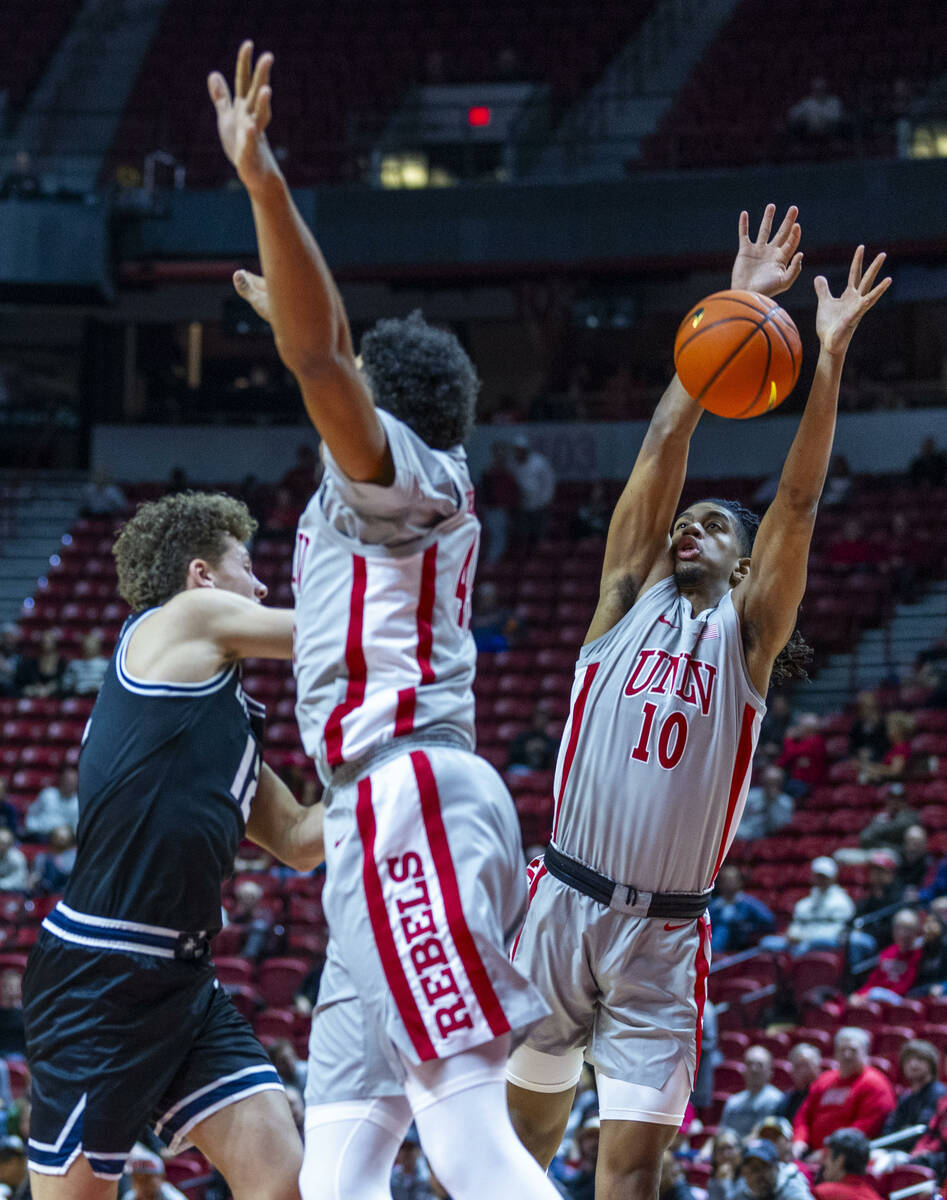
x,y
731,357
792,354
769,360
729,298
713,325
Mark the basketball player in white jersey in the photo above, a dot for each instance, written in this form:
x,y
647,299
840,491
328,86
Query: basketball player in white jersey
x,y
418,1003
655,759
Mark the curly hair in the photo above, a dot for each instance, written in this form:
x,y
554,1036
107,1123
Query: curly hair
x,y
792,660
153,549
422,376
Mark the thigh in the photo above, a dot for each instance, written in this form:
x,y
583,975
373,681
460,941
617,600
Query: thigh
x,y
629,1159
653,980
425,886
78,1183
255,1146
224,1064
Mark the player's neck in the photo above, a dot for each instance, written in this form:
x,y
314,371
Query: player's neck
x,y
703,596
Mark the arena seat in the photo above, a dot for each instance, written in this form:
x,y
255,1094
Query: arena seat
x,y
278,980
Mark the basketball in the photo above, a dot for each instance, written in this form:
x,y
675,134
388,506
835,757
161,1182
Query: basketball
x,y
738,354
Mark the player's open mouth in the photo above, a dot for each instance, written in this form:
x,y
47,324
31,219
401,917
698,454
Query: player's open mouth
x,y
687,548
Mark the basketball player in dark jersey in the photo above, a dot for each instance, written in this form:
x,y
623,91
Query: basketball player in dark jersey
x,y
126,1023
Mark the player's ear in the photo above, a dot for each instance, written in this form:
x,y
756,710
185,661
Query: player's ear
x,y
199,574
740,571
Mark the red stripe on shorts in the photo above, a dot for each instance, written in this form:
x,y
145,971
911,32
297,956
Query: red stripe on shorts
x,y
741,765
577,712
407,697
447,878
533,885
700,985
354,664
384,939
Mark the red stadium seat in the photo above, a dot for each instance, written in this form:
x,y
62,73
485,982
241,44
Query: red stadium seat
x,y
279,980
275,1023
19,1077
233,970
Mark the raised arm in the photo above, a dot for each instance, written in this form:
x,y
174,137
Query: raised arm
x,y
636,552
769,596
303,303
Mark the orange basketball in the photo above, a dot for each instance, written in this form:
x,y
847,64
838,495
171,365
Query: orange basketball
x,y
738,354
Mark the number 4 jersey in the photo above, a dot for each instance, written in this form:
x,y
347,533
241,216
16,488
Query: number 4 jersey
x,y
655,760
167,773
382,578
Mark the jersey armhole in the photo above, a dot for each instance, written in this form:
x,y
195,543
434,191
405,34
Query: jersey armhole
x,y
149,687
759,702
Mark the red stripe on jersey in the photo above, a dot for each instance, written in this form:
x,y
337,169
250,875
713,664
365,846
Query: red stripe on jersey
x,y
741,765
426,613
384,939
577,711
700,983
354,664
453,907
407,697
533,885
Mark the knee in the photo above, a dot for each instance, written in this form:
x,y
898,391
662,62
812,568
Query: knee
x,y
616,1179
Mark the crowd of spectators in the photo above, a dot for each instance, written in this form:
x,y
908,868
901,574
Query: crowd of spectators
x,y
44,671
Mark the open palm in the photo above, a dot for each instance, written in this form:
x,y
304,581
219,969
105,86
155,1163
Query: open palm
x,y
242,119
768,265
837,318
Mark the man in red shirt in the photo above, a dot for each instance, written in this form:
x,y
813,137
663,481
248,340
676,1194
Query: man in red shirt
x,y
897,966
844,1168
804,756
853,1096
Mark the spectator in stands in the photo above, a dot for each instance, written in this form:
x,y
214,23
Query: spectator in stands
x,y
777,1130
737,919
845,1168
52,868
534,749
581,1186
775,726
758,1099
853,549
804,755
536,481
101,497
710,1057
57,804
14,869
248,913
769,807
145,1171
84,676
805,1066
672,1184
917,866
764,1177
725,1153
290,1069
875,910
14,1172
41,674
932,969
499,494
887,828
10,657
592,518
817,117
9,817
302,478
868,736
12,1033
929,469
896,759
853,1094
919,1063
282,516
930,1150
896,972
494,628
22,183
410,1177
820,918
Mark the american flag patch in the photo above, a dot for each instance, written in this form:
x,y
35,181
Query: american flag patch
x,y
709,633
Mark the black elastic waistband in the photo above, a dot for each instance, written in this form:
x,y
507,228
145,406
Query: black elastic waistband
x,y
679,906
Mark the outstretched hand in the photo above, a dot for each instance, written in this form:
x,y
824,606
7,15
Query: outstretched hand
x,y
252,288
768,266
837,318
242,119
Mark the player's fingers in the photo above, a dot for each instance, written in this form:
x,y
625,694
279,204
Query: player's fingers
x,y
787,226
795,267
766,224
821,285
744,226
868,278
855,270
791,242
263,111
242,76
261,77
876,293
219,91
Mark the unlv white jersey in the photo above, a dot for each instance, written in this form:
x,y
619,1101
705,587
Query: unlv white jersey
x,y
655,759
383,578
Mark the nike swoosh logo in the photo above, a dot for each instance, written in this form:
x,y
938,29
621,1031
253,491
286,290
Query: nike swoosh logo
x,y
670,928
665,621
335,845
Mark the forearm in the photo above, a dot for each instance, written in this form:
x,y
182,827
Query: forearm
x,y
306,311
807,463
673,422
